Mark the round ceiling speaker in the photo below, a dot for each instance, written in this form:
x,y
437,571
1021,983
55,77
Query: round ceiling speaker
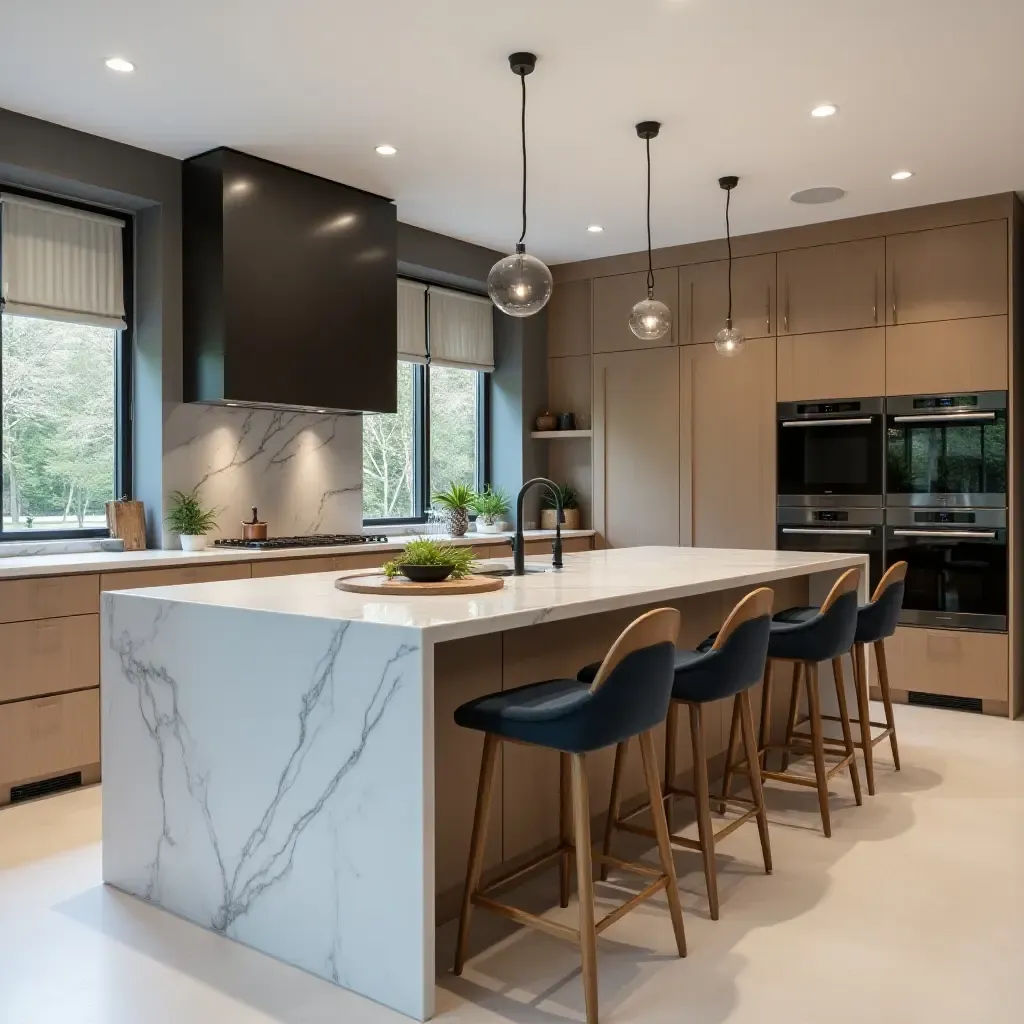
x,y
815,196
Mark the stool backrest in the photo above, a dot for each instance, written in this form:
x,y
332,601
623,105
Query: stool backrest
x,y
736,660
757,604
657,627
839,610
849,581
880,618
895,574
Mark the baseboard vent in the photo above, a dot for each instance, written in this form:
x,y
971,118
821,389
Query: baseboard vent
x,y
938,700
57,784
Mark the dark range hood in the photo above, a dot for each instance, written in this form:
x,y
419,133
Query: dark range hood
x,y
289,288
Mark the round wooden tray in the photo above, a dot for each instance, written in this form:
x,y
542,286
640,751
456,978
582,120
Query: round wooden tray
x,y
401,587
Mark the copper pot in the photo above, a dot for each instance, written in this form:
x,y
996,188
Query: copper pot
x,y
254,530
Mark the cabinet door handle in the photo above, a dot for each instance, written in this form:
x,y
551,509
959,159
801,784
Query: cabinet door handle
x,y
895,319
785,314
874,300
768,308
690,318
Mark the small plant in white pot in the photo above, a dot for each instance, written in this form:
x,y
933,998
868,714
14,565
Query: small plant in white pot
x,y
456,504
491,507
570,506
187,518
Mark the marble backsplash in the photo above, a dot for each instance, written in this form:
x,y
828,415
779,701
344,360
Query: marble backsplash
x,y
304,471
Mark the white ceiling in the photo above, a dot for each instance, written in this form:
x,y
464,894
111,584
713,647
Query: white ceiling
x,y
936,86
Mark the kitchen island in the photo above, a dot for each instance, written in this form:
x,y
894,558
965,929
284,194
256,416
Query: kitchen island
x,y
279,759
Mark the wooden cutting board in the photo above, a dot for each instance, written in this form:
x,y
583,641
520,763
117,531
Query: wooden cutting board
x,y
126,521
401,587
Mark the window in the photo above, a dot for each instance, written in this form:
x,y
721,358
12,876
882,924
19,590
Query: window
x,y
63,370
437,436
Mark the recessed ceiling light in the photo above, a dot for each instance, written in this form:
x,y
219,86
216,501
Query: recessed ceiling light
x,y
595,229
824,110
386,150
120,64
901,175
821,194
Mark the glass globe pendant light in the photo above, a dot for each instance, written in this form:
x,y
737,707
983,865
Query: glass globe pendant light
x,y
650,319
520,284
729,341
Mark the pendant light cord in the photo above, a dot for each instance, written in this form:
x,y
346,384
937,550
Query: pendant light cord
x,y
522,237
650,266
728,242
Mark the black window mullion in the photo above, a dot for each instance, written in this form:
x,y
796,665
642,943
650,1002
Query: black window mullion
x,y
421,427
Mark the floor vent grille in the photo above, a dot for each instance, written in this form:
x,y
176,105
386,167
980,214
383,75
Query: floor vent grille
x,y
31,790
938,700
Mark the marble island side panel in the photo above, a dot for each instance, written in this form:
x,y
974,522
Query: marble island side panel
x,y
252,764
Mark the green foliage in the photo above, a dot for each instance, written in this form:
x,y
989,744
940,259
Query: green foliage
x,y
457,497
430,552
570,499
186,514
492,504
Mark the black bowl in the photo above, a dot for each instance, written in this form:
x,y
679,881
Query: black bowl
x,y
426,573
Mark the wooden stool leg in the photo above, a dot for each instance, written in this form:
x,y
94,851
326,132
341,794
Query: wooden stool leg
x,y
860,681
818,745
477,844
614,803
705,830
794,708
883,685
754,772
675,907
564,827
766,713
671,731
584,875
730,754
844,720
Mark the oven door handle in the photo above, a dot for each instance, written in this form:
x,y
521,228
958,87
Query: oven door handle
x,y
823,532
954,534
941,417
855,421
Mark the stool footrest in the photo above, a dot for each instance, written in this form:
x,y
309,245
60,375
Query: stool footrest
x,y
544,924
631,904
531,865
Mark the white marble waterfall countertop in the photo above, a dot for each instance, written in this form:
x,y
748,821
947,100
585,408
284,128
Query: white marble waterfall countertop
x,y
591,582
68,562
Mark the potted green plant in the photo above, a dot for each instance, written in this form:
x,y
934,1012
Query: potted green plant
x,y
570,506
428,561
491,508
456,504
187,517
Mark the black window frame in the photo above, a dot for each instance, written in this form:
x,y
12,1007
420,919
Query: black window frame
x,y
123,382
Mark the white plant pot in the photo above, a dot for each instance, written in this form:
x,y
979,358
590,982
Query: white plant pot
x,y
193,542
498,527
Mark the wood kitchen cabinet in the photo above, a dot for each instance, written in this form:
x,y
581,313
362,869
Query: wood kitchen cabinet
x,y
133,579
569,319
704,294
727,446
947,273
836,287
947,356
615,297
636,447
837,364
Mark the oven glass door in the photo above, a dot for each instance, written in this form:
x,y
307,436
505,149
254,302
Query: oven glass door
x,y
838,461
857,540
955,578
949,458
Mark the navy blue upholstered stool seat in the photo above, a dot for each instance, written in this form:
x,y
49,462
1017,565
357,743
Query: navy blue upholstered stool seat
x,y
821,634
725,666
628,697
876,622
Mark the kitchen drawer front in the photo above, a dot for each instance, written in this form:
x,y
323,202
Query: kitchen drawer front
x,y
49,656
949,662
947,356
49,597
838,364
295,566
569,544
136,578
364,560
49,736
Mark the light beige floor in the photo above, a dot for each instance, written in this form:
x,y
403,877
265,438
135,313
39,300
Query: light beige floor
x,y
914,911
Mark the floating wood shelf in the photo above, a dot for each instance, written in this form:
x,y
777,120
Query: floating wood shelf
x,y
556,434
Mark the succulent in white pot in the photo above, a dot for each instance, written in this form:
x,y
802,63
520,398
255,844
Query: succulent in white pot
x,y
456,504
491,507
187,517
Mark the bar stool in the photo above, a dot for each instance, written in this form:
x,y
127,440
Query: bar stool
x,y
728,666
826,636
876,622
629,696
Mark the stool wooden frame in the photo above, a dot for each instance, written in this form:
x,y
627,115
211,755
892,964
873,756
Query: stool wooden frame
x,y
756,604
866,742
658,626
805,673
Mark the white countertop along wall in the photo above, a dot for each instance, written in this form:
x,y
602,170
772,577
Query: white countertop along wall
x,y
65,563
